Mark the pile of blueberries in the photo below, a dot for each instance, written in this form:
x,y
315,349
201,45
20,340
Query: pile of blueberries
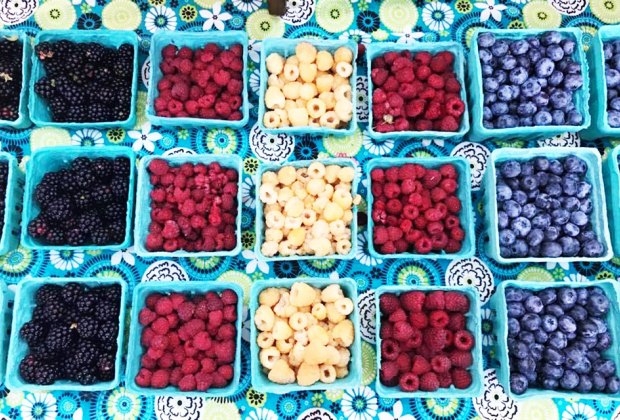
x,y
544,209
611,52
556,340
529,82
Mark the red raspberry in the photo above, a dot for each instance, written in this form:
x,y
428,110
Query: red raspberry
x,y
391,84
394,206
431,179
461,378
391,190
439,194
226,332
171,230
420,366
164,306
461,359
453,246
148,362
427,93
456,302
457,322
452,85
455,107
439,241
445,379
448,123
423,125
440,364
394,233
169,51
190,366
422,72
229,297
423,245
166,361
412,301
223,109
377,175
423,57
379,96
154,354
402,331
435,81
208,365
409,382
398,315
159,342
453,204
386,331
414,341
158,167
408,90
221,77
180,91
143,378
457,234
225,351
433,110
413,236
187,383
404,362
434,228
379,76
439,63
203,381
418,320
448,185
390,56
390,349
186,311
410,212
435,339
405,75
438,319
463,340
160,379
380,235
434,300
389,303
226,371
429,382
392,174
146,316
389,373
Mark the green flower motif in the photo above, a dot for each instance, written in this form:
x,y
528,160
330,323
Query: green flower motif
x,y
334,15
323,264
608,11
93,252
85,8
463,6
589,32
397,15
250,165
255,399
362,5
251,67
183,134
516,24
55,14
541,15
442,407
261,25
558,273
16,261
346,146
480,208
204,263
535,274
122,404
369,364
257,276
317,399
334,395
248,239
604,275
222,140
412,275
115,135
109,274
188,13
511,143
121,14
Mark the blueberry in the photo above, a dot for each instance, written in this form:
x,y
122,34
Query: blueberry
x,y
560,216
519,249
502,219
513,327
514,294
552,371
526,108
552,233
499,48
567,324
558,340
549,323
520,197
501,76
507,121
581,366
541,336
519,47
612,78
586,206
490,84
504,192
608,51
569,380
572,82
601,325
536,350
613,385
604,341
567,297
555,52
582,295
553,189
529,210
570,246
487,114
531,87
578,313
547,296
524,61
515,309
508,62
505,94
579,218
612,94
541,221
541,163
551,249
558,117
533,304
559,99
613,118
526,337
518,383
519,349
518,75
556,78
585,384
521,226
605,367
527,365
597,305
512,208
534,250
512,182
615,103
550,37
485,55
569,185
614,61
592,248
554,356
568,45
549,383
570,229
510,169
583,189
570,203
490,98
543,178
530,322
541,99
598,381
593,355
576,351
486,40
554,309
574,118
544,67
588,329
543,118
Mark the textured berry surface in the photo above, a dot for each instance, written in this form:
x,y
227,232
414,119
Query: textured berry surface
x,y
11,52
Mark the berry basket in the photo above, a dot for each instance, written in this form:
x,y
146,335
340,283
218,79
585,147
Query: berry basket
x,y
260,217
473,325
25,301
6,306
23,120
260,381
140,293
13,202
50,159
499,306
39,112
143,213
375,50
479,132
593,176
286,47
611,174
463,193
598,87
194,40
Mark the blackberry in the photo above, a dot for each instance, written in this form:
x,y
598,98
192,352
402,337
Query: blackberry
x,y
72,315
72,292
106,367
115,211
77,113
58,107
117,231
35,371
55,236
120,188
59,209
108,332
106,95
87,327
87,303
82,200
43,353
103,168
45,194
47,293
94,53
80,165
38,228
86,353
53,311
100,236
32,332
45,88
76,237
70,371
102,194
107,310
98,112
59,338
9,113
121,167
84,179
86,376
110,293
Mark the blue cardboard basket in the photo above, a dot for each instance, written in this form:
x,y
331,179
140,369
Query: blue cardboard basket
x,y
466,215
594,176
13,205
375,50
260,219
498,304
49,159
6,306
39,111
261,382
598,87
476,95
473,325
195,40
286,48
23,119
143,205
18,348
140,293
611,174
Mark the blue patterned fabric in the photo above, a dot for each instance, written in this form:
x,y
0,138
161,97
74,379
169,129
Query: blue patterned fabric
x,y
364,21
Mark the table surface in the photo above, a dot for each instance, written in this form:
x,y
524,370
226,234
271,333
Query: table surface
x,y
364,21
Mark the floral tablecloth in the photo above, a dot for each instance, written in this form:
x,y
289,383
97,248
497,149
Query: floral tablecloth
x,y
365,21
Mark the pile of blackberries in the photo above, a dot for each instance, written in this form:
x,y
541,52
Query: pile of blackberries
x,y
4,178
84,204
558,339
529,82
72,334
11,50
86,82
545,209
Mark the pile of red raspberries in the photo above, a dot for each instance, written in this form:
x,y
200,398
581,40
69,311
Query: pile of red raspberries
x,y
415,92
425,344
193,207
416,209
189,341
203,83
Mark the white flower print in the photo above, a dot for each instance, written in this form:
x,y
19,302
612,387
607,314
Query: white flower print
x,y
247,5
490,9
214,17
359,403
356,35
428,142
579,411
552,264
124,255
91,3
487,336
254,262
144,138
396,414
263,414
334,276
254,50
87,137
408,36
437,16
160,18
39,406
576,278
245,323
66,260
255,81
377,147
247,192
